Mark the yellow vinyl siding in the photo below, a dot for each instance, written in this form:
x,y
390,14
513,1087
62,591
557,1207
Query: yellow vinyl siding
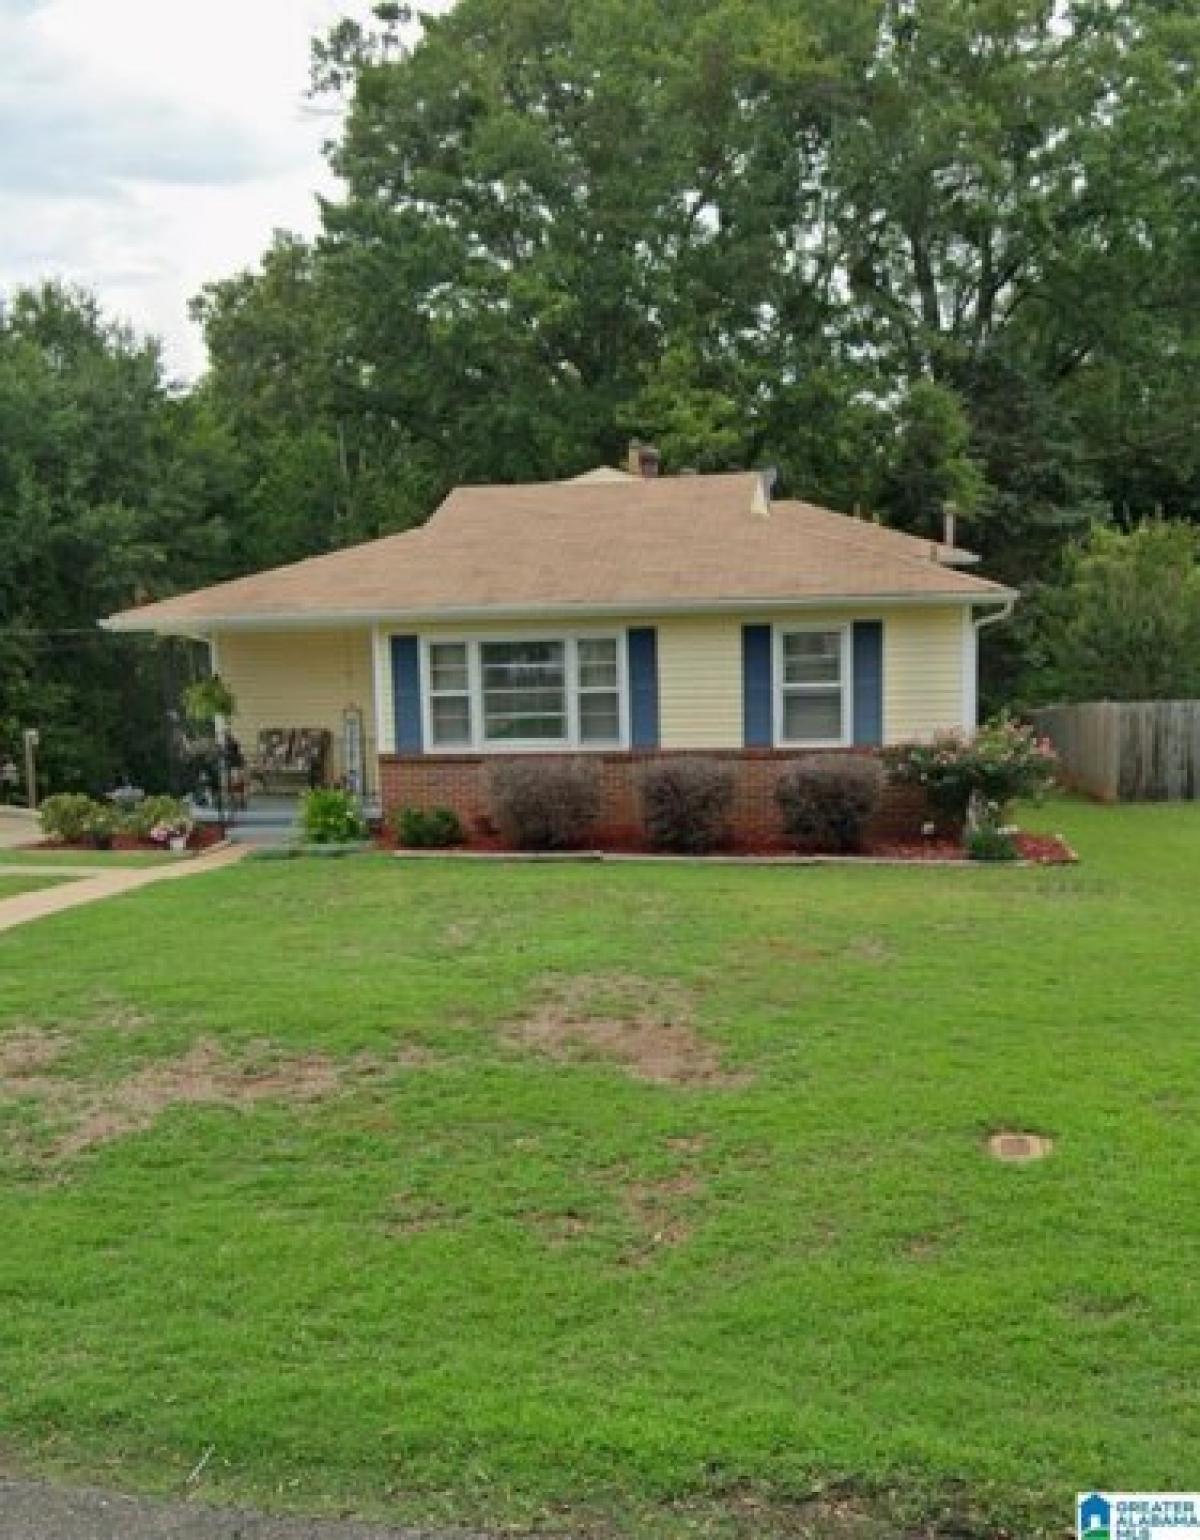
x,y
301,679
700,666
923,685
700,683
700,672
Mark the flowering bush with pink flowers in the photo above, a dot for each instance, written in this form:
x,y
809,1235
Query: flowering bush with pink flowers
x,y
1002,761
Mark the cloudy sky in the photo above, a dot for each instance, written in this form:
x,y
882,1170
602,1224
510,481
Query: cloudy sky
x,y
149,145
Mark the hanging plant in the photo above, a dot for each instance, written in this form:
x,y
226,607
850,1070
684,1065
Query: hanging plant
x,y
208,699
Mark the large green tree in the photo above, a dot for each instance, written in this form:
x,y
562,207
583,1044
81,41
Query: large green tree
x,y
103,501
905,250
1126,623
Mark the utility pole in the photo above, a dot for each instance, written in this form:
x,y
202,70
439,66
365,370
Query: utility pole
x,y
31,743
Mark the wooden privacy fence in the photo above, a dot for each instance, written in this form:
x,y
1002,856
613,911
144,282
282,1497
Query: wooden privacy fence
x,y
1128,751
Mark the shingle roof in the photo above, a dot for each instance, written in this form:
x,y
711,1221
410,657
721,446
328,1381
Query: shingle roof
x,y
631,544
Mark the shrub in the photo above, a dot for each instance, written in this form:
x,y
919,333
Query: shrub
x,y
67,815
1003,760
541,804
988,841
154,812
685,802
100,825
435,828
331,817
826,801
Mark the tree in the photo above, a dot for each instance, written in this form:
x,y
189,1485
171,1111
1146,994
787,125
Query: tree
x,y
1126,623
929,467
101,504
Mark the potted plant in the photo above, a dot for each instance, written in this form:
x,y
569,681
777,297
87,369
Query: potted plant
x,y
208,699
172,832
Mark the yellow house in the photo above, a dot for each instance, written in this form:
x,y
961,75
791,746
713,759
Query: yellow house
x,y
621,615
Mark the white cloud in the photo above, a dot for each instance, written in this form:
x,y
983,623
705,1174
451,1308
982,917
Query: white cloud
x,y
147,146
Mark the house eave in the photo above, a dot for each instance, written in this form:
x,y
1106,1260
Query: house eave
x,y
204,625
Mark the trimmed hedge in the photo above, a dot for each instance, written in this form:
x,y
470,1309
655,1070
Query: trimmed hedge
x,y
827,800
435,828
685,803
541,804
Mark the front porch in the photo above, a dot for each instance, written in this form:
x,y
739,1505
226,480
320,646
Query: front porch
x,y
265,819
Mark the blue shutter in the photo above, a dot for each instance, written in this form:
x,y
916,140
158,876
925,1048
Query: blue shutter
x,y
757,703
868,682
643,687
406,692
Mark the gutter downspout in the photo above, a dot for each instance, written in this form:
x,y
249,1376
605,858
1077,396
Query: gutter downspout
x,y
1002,613
971,661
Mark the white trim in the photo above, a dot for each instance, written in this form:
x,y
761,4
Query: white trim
x,y
569,638
626,610
846,683
970,669
220,723
381,680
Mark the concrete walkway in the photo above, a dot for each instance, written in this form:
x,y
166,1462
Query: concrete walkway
x,y
31,1511
95,885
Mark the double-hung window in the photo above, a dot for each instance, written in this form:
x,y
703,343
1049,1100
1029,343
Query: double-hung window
x,y
449,695
525,693
598,689
812,703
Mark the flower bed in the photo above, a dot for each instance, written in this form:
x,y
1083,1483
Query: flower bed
x,y
1036,849
202,837
945,800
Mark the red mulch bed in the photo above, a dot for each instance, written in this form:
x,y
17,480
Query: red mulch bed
x,y
1041,849
1045,849
202,837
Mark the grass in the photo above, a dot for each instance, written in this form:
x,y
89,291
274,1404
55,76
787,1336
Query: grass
x,y
11,886
467,1281
25,856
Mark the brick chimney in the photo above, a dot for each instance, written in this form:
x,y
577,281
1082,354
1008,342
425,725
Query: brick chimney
x,y
644,459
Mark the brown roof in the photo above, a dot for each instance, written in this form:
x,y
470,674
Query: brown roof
x,y
631,544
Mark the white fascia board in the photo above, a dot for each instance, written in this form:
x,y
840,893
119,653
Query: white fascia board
x,y
648,607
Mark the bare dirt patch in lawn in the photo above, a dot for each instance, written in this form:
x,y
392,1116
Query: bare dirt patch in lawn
x,y
559,1230
118,1016
642,1025
24,1052
83,1114
659,1209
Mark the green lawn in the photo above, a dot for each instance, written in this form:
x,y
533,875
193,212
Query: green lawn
x,y
10,886
25,856
312,1163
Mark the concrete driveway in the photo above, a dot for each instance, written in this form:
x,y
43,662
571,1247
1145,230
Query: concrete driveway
x,y
18,826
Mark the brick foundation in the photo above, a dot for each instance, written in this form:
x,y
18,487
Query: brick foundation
x,y
458,781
